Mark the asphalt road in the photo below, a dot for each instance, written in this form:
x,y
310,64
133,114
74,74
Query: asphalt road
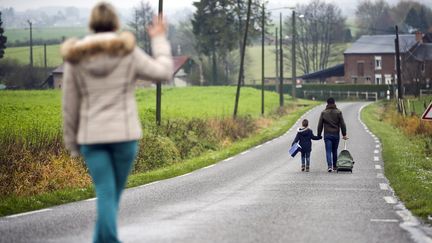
x,y
257,196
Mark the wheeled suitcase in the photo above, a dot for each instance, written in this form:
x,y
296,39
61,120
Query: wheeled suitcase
x,y
345,161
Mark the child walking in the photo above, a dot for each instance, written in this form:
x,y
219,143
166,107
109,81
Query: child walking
x,y
304,137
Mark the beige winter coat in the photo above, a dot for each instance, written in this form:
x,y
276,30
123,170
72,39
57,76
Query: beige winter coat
x,y
100,71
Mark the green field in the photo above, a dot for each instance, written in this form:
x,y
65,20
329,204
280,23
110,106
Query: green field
x,y
57,33
22,54
30,114
253,69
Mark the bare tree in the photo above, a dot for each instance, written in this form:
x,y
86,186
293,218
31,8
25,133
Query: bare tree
x,y
317,31
374,17
142,16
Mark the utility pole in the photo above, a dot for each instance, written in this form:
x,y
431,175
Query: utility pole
x,y
277,59
293,53
398,64
262,59
243,50
281,99
45,60
159,84
31,43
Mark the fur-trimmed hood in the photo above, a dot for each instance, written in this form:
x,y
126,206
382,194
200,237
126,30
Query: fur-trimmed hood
x,y
302,129
109,43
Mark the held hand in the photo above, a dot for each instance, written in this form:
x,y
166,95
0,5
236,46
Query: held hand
x,y
345,138
157,28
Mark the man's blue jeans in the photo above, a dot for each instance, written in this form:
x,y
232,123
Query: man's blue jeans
x,y
331,145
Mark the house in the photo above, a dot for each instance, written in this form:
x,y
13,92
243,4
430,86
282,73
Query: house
x,y
372,59
183,66
419,67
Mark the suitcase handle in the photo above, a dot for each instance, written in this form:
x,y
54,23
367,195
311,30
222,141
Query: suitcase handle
x,y
345,144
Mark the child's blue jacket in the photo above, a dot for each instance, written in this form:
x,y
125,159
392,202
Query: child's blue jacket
x,y
304,137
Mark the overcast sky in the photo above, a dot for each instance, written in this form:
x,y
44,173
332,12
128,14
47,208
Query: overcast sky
x,y
21,5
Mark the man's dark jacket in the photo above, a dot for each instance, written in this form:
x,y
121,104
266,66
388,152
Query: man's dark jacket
x,y
332,121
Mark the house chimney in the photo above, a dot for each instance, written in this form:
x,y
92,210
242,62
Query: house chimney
x,y
419,37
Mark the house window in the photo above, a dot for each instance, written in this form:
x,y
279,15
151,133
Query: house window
x,y
360,69
368,80
354,79
378,63
388,79
378,79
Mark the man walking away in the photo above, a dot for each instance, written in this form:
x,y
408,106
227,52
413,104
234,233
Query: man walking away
x,y
332,121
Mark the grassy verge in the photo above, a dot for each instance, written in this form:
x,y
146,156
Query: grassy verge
x,y
14,204
408,165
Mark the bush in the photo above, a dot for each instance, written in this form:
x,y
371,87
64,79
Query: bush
x,y
17,76
155,152
30,176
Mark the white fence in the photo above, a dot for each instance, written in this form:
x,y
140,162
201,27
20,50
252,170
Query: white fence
x,y
342,94
425,92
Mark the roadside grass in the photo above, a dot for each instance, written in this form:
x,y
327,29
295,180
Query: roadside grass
x,y
408,162
25,110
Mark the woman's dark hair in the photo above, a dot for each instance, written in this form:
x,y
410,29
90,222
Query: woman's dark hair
x,y
305,123
330,101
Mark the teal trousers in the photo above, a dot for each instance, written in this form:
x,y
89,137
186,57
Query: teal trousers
x,y
109,166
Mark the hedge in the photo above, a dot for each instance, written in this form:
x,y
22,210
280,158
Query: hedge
x,y
381,89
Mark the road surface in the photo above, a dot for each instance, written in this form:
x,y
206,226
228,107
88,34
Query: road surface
x,y
257,196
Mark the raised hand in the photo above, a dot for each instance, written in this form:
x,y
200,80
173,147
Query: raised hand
x,y
158,27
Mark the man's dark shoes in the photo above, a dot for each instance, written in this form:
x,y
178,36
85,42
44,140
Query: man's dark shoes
x,y
303,168
329,169
307,168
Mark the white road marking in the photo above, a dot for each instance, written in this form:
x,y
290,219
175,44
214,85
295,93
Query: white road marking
x,y
28,213
90,199
229,159
259,146
390,200
376,151
268,142
385,220
378,167
207,167
184,175
376,158
384,186
380,175
377,146
245,152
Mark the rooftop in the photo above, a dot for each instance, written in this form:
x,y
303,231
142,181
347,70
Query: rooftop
x,y
382,44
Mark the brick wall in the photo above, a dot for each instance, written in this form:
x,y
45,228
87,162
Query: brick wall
x,y
352,69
